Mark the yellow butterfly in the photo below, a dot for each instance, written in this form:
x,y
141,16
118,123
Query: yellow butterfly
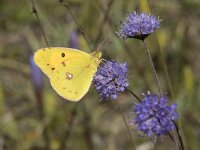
x,y
70,70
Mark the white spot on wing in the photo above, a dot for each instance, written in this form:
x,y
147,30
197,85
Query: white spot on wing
x,y
69,76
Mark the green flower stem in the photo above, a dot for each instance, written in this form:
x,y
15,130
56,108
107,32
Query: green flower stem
x,y
179,136
153,68
173,138
34,11
124,119
134,95
67,6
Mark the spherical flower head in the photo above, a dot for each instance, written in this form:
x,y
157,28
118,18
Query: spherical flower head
x,y
111,79
154,116
138,26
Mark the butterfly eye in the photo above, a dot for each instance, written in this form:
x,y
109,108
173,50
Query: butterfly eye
x,y
63,54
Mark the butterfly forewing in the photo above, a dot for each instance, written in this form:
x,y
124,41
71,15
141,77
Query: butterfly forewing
x,y
41,58
49,58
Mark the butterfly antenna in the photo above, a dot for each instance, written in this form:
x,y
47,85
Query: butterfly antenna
x,y
106,39
34,10
67,6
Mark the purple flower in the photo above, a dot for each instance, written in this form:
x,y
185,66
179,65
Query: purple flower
x,y
111,79
154,116
73,40
138,26
36,74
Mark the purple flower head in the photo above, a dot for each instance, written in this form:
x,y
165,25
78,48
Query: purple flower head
x,y
36,74
111,79
138,26
73,40
154,116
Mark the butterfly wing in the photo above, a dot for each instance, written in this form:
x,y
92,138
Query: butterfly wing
x,y
49,58
72,79
70,71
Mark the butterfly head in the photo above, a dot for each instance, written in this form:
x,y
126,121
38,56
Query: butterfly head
x,y
97,54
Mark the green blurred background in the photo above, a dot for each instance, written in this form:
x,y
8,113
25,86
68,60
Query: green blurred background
x,y
35,117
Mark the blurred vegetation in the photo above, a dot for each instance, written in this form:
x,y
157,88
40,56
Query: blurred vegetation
x,y
36,118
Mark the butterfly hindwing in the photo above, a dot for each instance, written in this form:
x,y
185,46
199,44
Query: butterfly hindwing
x,y
72,80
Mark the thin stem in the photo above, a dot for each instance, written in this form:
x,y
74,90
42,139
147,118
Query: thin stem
x,y
69,127
152,67
40,98
103,21
46,138
173,136
124,119
87,128
179,136
134,95
167,75
34,10
66,4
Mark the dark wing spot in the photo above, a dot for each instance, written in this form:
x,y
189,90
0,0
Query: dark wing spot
x,y
52,68
43,49
88,66
76,92
63,63
64,88
47,64
63,54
